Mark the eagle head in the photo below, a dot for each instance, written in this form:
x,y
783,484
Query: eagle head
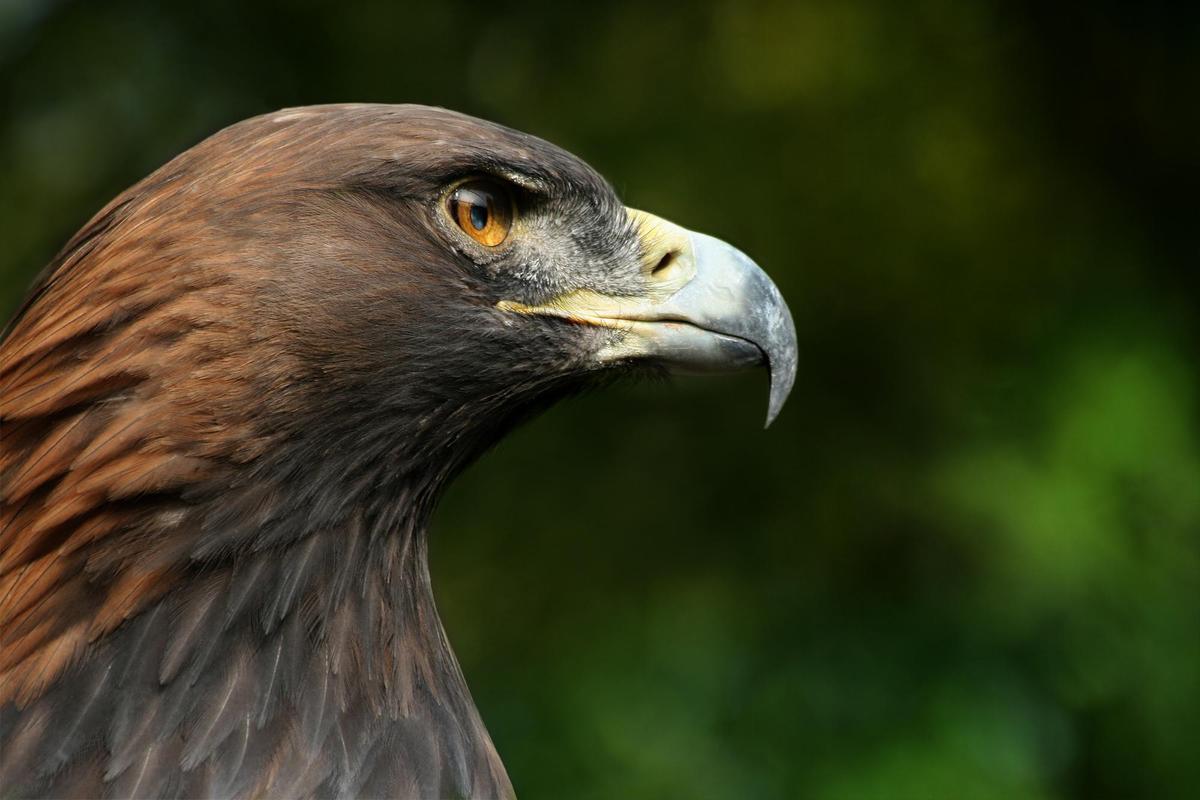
x,y
230,404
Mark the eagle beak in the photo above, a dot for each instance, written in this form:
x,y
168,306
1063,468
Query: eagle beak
x,y
706,308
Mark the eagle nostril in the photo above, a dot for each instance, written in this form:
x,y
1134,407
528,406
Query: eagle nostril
x,y
663,265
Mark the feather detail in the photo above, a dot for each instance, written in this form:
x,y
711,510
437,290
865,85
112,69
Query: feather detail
x,y
150,772
71,730
225,709
138,658
278,670
339,632
348,565
300,773
228,759
354,733
269,673
264,750
21,741
131,728
138,731
187,634
294,573
317,708
247,581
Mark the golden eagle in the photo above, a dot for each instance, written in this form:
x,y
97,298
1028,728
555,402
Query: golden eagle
x,y
230,404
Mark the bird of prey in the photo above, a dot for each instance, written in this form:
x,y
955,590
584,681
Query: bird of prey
x,y
230,404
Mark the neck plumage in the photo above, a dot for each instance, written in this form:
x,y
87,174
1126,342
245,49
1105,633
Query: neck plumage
x,y
316,665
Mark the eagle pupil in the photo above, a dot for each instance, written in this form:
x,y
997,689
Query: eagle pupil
x,y
479,216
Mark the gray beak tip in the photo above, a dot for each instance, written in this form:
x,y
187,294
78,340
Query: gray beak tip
x,y
783,374
779,346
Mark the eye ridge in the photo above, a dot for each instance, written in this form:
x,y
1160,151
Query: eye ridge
x,y
483,209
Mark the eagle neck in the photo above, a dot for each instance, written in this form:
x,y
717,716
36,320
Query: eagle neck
x,y
373,679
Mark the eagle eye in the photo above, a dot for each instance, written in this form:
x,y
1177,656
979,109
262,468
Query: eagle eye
x,y
483,209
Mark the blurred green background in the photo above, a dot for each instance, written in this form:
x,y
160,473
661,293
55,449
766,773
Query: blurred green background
x,y
965,562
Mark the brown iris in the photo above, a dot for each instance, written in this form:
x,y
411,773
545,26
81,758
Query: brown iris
x,y
484,210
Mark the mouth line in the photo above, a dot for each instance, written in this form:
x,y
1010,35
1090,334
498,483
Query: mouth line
x,y
647,324
632,324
